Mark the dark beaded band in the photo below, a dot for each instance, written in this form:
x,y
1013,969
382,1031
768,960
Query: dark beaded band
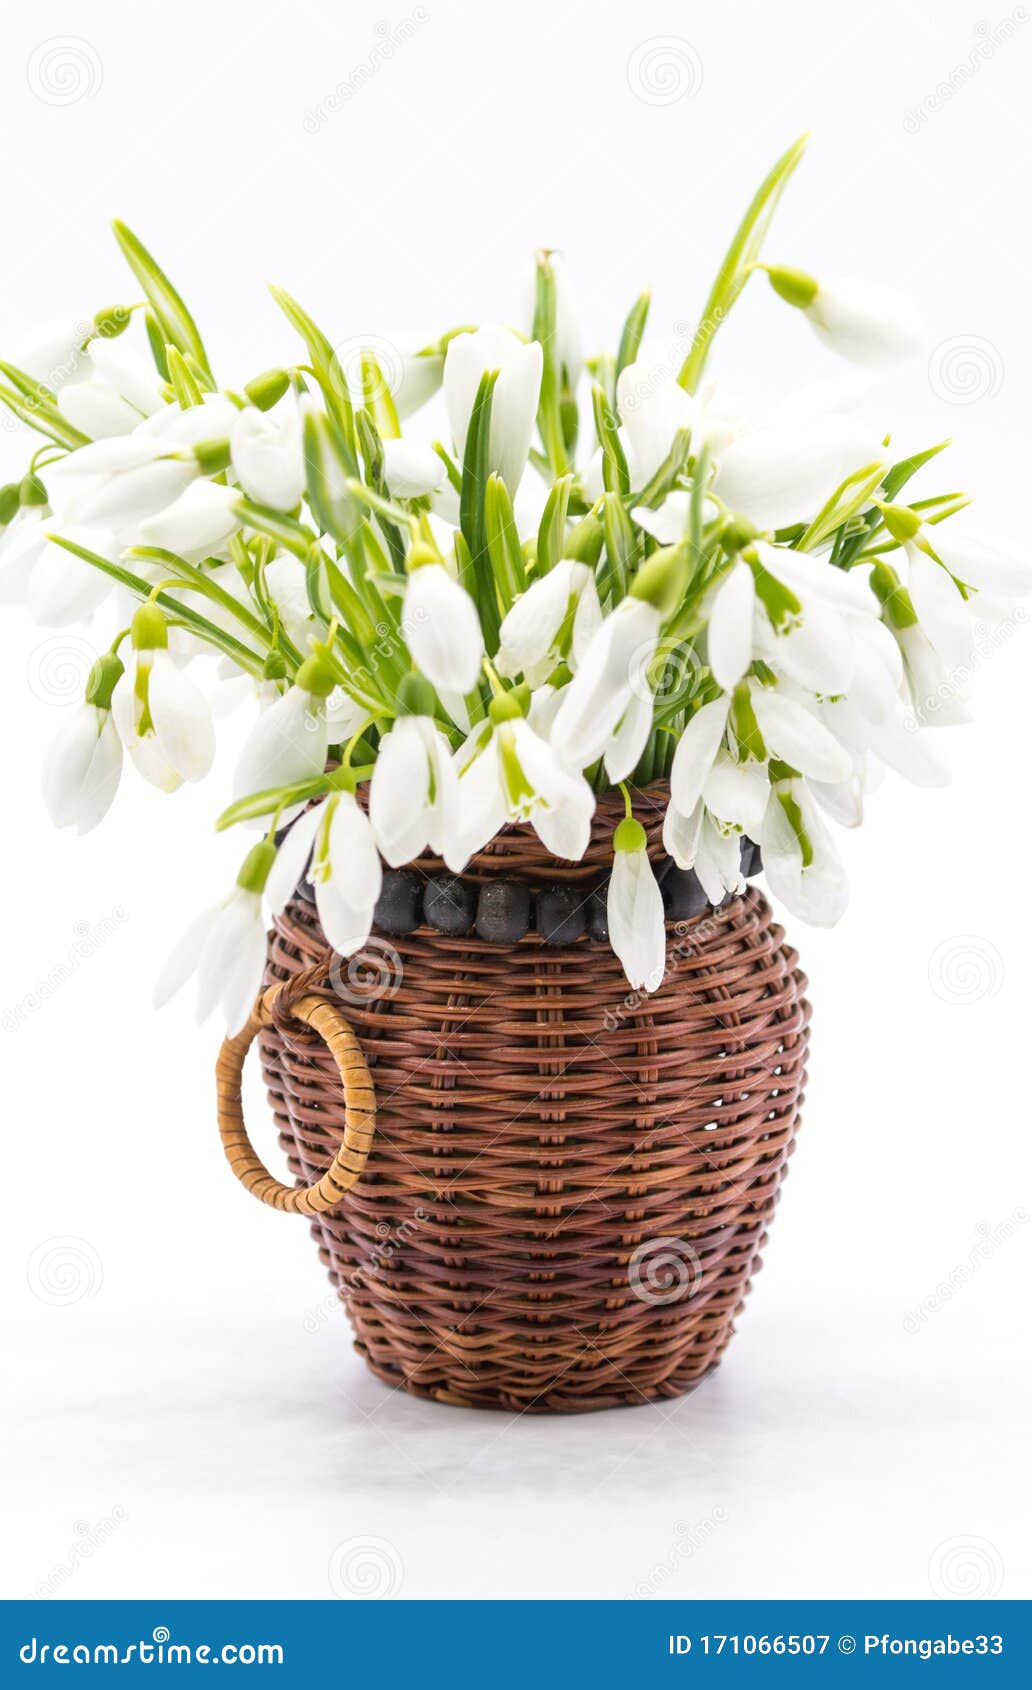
x,y
504,911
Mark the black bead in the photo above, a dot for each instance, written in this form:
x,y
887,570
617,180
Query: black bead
x,y
598,913
450,904
399,908
683,896
561,914
503,911
752,861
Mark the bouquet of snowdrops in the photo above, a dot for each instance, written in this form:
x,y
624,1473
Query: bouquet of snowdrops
x,y
597,579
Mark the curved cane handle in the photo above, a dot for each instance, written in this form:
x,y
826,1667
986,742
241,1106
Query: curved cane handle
x,y
359,1108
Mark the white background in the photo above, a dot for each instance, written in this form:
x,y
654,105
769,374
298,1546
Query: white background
x,y
176,1428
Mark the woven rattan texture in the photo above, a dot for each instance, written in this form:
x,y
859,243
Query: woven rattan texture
x,y
569,1185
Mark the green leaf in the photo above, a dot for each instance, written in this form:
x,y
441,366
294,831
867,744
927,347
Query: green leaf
x,y
632,332
503,541
738,262
550,419
552,528
615,474
35,405
184,383
176,324
330,468
622,548
273,798
475,475
327,366
843,505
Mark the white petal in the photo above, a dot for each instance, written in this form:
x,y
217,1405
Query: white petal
x,y
681,834
182,719
635,917
184,957
737,793
866,323
940,608
199,520
411,469
97,410
696,753
776,477
529,629
267,455
818,893
354,862
480,810
984,561
291,858
442,629
729,636
399,793
791,733
718,861
629,738
288,743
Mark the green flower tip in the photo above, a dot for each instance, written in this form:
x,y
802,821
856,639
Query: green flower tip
x,y
212,456
10,503
316,675
112,321
901,522
31,491
103,679
662,580
149,629
629,836
267,389
274,668
736,534
254,870
415,696
795,287
506,707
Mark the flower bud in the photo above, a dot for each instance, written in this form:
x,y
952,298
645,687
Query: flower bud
x,y
212,456
268,389
149,629
10,503
415,697
103,679
629,836
795,287
254,870
112,321
31,491
316,676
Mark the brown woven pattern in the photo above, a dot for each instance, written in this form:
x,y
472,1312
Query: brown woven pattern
x,y
569,1185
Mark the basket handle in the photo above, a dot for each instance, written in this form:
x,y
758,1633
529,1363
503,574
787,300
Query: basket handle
x,y
359,1105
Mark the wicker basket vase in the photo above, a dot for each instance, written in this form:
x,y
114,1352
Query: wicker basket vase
x,y
532,1188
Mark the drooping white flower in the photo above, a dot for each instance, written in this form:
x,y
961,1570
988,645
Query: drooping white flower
x,y
120,391
442,629
696,753
509,773
63,588
412,794
668,522
564,602
162,718
778,476
515,398
729,633
411,469
224,947
653,407
21,543
985,561
345,869
800,862
83,764
634,909
199,520
54,352
289,741
794,734
267,454
861,321
612,666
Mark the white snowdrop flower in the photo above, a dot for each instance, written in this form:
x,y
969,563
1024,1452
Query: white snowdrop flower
x,y
598,696
83,764
515,398
345,869
696,753
564,601
861,321
634,907
54,352
653,407
510,773
199,520
267,455
442,629
162,718
289,741
286,582
800,862
63,588
21,543
413,791
729,633
412,469
985,561
794,734
778,476
121,390
224,948
668,523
